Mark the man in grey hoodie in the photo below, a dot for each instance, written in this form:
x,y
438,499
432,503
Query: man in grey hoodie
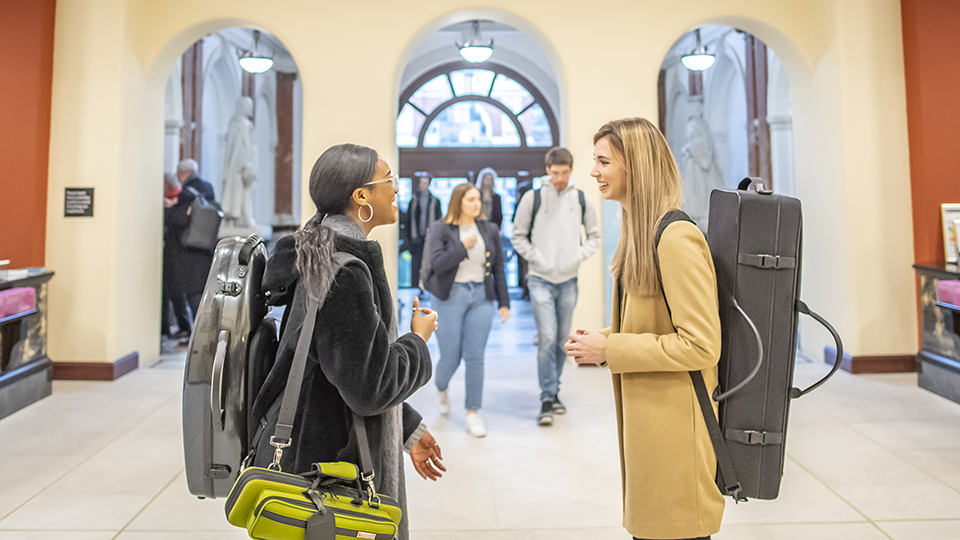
x,y
554,229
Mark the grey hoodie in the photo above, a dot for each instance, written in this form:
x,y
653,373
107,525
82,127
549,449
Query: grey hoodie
x,y
557,247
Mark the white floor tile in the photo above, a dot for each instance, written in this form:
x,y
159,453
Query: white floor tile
x,y
925,530
831,531
176,510
57,535
803,499
901,503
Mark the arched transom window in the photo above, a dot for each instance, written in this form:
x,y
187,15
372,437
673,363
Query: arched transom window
x,y
461,117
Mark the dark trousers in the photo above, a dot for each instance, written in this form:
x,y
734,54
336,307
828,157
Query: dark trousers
x,y
174,307
416,260
193,300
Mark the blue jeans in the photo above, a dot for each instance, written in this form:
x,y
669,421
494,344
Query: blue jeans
x,y
465,318
553,305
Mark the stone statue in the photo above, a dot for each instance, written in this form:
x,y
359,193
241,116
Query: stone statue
x,y
239,166
701,173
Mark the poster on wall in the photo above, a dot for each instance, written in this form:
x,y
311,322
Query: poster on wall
x,y
950,213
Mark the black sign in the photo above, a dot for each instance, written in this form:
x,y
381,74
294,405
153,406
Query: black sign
x,y
78,202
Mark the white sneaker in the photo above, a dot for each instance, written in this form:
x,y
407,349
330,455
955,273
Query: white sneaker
x,y
475,425
443,402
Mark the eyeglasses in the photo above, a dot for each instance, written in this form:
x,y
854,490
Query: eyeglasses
x,y
394,179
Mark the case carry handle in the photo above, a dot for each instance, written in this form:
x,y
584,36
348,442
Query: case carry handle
x,y
802,308
718,397
216,379
757,184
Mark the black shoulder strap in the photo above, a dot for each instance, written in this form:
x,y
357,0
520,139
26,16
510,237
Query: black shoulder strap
x,y
728,474
533,213
291,395
583,205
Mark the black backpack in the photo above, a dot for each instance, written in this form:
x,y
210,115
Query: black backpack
x,y
755,242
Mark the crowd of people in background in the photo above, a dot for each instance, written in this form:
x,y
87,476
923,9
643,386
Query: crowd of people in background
x,y
460,261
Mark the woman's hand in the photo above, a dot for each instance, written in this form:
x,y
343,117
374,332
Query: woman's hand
x,y
470,241
504,314
423,322
587,347
425,456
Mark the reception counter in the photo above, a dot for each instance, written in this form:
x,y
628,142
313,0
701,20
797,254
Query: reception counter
x,y
938,361
25,369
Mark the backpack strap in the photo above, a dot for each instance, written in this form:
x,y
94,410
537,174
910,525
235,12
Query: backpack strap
x,y
727,472
536,208
583,205
282,437
533,213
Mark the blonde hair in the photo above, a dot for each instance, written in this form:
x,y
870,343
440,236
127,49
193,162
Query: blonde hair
x,y
654,187
456,203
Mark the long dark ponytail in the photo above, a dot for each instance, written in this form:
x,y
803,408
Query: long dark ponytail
x,y
338,172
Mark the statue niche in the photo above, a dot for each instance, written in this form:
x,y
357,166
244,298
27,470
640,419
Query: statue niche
x,y
239,166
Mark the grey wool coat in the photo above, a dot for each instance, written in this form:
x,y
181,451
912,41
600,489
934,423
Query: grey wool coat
x,y
356,364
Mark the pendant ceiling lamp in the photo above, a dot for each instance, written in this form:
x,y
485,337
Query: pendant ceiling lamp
x,y
698,59
475,50
253,61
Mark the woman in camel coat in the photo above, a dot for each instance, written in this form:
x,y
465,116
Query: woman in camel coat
x,y
667,461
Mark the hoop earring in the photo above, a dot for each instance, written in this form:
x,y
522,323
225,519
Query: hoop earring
x,y
371,213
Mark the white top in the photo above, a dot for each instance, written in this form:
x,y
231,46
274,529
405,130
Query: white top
x,y
473,268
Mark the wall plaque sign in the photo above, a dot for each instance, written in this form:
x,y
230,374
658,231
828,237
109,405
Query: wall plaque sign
x,y
78,202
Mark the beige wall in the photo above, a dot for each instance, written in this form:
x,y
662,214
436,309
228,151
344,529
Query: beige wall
x,y
844,59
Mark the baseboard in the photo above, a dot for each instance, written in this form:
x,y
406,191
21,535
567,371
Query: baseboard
x,y
871,364
96,371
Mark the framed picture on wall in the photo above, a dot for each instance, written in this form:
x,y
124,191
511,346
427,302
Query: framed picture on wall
x,y
950,213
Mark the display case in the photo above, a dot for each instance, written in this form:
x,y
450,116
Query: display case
x,y
938,361
25,369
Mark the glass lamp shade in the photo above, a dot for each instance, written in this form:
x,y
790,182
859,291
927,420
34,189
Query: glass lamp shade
x,y
476,54
256,64
698,62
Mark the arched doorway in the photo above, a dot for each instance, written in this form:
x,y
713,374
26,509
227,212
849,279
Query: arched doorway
x,y
457,118
200,110
728,121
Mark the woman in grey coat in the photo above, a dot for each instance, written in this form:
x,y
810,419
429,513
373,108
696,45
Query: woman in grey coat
x,y
356,361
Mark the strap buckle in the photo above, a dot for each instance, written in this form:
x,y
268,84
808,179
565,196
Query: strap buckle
x,y
371,490
277,453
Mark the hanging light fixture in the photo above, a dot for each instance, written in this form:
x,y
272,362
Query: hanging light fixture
x,y
253,61
698,59
475,50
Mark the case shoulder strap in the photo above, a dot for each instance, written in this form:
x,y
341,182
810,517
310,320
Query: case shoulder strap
x,y
728,474
291,395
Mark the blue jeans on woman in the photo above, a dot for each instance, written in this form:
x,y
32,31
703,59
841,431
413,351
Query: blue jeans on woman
x,y
465,320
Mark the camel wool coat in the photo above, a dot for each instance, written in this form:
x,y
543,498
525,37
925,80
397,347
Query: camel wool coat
x,y
667,461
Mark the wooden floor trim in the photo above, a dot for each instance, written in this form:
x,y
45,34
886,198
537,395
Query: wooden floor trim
x,y
96,371
871,364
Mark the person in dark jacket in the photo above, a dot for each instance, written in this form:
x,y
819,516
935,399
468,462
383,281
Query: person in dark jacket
x,y
173,306
422,211
466,276
188,266
356,362
490,199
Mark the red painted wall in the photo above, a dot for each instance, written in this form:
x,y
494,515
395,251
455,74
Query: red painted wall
x,y
26,37
933,116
